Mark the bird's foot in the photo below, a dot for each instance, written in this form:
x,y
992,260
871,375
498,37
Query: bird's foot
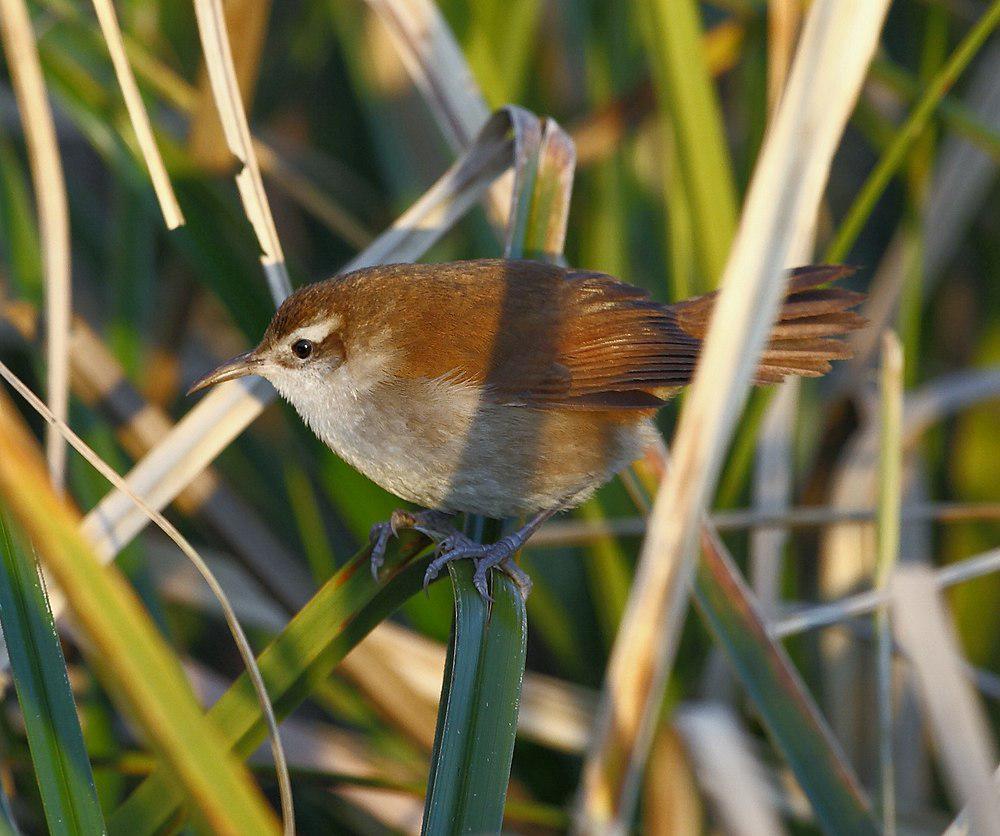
x,y
435,524
484,557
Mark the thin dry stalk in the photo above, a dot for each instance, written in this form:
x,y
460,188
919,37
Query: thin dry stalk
x,y
890,502
783,199
168,528
222,74
865,603
172,215
246,28
573,532
961,733
53,213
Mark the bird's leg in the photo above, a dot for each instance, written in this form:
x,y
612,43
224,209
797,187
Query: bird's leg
x,y
487,555
438,525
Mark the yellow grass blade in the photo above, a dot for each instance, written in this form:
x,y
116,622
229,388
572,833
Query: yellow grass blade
x,y
129,655
242,644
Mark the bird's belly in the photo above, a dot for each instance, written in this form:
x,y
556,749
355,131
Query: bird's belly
x,y
438,445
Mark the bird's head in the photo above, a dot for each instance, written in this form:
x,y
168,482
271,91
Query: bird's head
x,y
302,344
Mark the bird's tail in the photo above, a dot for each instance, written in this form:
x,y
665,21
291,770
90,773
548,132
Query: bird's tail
x,y
807,335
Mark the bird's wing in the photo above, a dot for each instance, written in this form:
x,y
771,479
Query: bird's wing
x,y
539,335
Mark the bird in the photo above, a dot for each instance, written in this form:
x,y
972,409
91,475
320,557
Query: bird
x,y
505,388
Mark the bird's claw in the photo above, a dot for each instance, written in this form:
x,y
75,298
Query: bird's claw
x,y
435,524
484,557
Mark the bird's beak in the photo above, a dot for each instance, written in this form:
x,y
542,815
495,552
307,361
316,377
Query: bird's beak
x,y
239,366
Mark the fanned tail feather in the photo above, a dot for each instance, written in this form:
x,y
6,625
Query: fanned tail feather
x,y
806,337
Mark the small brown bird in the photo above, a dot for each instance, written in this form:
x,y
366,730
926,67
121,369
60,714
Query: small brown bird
x,y
504,388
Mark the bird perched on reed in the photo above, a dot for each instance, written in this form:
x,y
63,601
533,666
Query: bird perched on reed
x,y
504,388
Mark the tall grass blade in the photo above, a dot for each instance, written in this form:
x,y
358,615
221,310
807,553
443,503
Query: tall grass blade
x,y
782,203
53,212
890,502
58,754
477,719
131,658
690,107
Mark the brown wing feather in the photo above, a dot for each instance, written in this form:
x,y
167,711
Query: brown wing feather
x,y
540,335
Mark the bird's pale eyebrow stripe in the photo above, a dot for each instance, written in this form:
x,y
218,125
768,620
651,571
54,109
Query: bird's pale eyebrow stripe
x,y
318,331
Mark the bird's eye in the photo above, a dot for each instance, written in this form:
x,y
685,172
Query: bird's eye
x,y
302,348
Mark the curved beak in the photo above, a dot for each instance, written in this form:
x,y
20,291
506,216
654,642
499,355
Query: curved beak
x,y
239,366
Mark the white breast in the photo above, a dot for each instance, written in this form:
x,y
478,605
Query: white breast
x,y
389,430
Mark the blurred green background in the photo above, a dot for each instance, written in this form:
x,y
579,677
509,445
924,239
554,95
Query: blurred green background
x,y
327,92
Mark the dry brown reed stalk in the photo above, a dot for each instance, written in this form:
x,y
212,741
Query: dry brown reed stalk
x,y
53,213
58,602
108,20
782,201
